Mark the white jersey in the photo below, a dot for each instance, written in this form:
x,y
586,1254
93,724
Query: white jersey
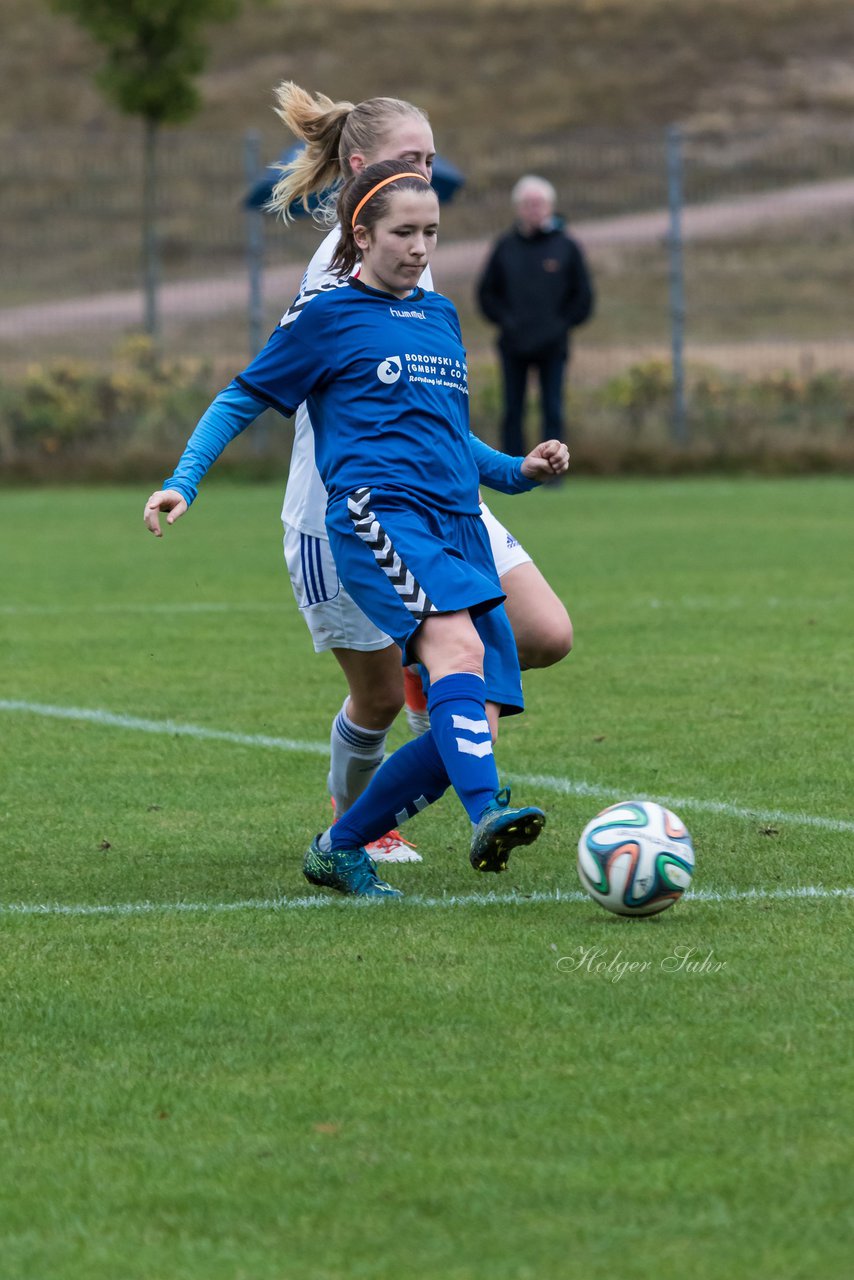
x,y
305,496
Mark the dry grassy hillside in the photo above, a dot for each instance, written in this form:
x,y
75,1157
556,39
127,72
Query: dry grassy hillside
x,y
485,70
764,88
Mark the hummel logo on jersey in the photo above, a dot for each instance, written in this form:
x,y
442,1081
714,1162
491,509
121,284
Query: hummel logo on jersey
x,y
407,315
388,370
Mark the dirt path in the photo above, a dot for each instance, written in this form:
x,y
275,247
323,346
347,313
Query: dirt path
x,y
714,220
593,365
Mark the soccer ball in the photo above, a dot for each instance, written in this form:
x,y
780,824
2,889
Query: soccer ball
x,y
635,858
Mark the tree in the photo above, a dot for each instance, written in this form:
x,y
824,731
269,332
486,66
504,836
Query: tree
x,y
153,51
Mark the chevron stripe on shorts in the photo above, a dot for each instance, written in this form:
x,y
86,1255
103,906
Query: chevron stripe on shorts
x,y
374,536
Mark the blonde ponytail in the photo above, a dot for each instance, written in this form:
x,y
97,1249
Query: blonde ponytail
x,y
318,122
332,132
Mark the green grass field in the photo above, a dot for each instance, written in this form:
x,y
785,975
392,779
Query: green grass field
x,y
212,1072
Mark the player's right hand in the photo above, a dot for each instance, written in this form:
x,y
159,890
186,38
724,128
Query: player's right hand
x,y
551,458
163,500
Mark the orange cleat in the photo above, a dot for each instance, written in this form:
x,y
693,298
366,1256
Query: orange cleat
x,y
392,847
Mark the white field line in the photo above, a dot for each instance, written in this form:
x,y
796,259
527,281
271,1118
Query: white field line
x,y
696,603
563,786
166,728
546,782
804,893
54,610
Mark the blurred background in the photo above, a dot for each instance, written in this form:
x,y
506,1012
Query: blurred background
x,y
703,155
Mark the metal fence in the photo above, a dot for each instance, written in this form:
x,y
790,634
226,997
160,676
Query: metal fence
x,y
727,251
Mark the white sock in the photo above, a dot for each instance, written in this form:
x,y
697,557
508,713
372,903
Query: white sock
x,y
418,721
355,756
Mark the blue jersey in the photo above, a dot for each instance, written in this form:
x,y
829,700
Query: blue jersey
x,y
386,388
416,377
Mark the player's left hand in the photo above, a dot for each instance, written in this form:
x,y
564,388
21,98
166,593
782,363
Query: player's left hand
x,y
551,458
169,500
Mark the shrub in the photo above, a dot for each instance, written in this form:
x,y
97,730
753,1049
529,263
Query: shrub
x,y
69,411
69,420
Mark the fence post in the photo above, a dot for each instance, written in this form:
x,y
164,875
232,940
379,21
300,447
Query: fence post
x,y
679,427
254,245
150,244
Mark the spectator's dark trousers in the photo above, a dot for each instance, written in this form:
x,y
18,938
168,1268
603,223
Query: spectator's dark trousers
x,y
551,366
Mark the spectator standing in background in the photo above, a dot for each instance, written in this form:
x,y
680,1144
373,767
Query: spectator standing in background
x,y
536,287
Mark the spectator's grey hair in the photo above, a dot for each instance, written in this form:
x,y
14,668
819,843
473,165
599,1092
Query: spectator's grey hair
x,y
530,182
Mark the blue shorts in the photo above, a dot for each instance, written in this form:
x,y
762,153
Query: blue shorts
x,y
402,562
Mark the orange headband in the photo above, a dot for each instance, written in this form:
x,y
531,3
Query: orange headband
x,y
373,191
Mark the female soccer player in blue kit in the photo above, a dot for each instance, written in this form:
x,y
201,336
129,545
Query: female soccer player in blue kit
x,y
381,365
341,138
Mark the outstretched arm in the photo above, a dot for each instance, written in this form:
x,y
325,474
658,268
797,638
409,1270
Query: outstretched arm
x,y
163,500
506,474
226,417
498,470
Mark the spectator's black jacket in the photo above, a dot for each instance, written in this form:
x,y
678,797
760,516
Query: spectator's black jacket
x,y
536,288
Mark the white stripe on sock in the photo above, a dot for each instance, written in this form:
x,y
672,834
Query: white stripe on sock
x,y
421,803
480,749
470,726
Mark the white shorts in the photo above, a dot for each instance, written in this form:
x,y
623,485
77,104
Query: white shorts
x,y
332,616
506,551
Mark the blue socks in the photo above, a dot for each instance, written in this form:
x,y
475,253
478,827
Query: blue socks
x,y
457,706
407,782
457,750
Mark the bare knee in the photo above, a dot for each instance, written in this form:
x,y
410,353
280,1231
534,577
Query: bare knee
x,y
546,642
539,619
449,644
466,656
374,684
377,707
